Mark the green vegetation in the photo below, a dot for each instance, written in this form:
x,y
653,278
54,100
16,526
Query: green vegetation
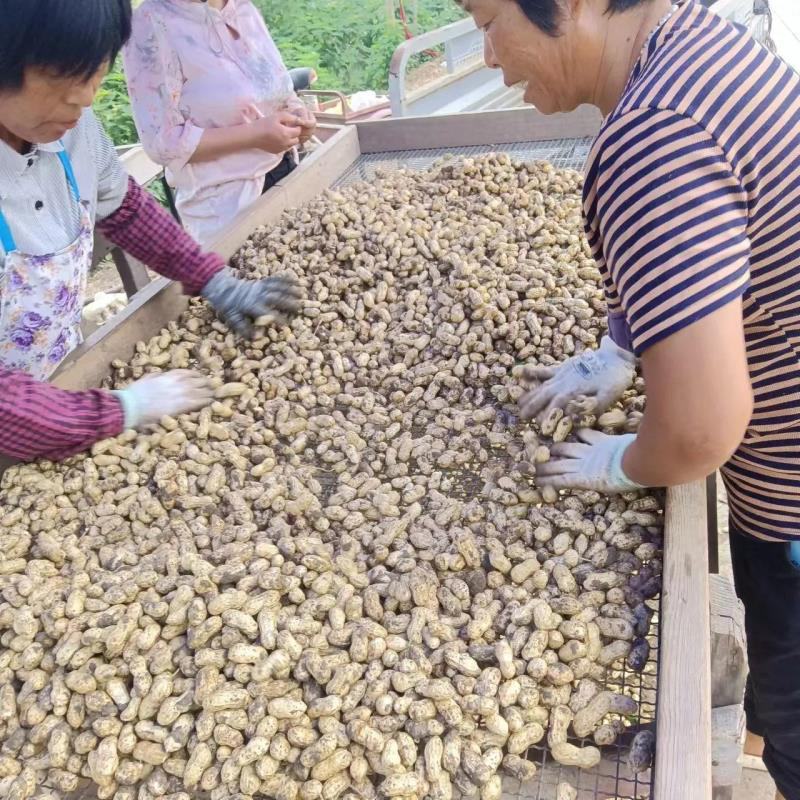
x,y
349,42
113,107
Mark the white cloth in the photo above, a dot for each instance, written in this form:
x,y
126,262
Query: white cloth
x,y
191,67
26,181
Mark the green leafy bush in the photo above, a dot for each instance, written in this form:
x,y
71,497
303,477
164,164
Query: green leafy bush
x,y
113,108
349,42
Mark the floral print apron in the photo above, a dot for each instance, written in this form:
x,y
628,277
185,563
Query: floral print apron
x,y
41,297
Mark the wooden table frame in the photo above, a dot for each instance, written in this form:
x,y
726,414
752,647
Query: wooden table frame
x,y
683,757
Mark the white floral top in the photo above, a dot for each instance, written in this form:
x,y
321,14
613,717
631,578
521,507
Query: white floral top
x,y
191,67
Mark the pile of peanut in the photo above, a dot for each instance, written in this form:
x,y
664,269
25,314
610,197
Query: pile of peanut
x,y
340,580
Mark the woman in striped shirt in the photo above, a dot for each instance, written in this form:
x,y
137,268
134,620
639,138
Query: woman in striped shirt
x,y
692,211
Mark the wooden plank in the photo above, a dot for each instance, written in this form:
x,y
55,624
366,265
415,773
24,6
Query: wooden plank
x,y
133,273
477,128
139,166
728,644
326,130
683,739
100,249
727,736
323,167
157,304
314,174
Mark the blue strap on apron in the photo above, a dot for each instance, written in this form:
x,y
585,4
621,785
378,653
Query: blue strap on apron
x,y
73,183
6,237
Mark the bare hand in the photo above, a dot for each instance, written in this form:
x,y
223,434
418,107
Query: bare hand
x,y
308,122
278,133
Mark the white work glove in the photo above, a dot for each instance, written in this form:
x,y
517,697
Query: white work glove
x,y
165,394
598,376
593,463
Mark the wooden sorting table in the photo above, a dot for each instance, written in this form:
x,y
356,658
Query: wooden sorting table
x,y
683,719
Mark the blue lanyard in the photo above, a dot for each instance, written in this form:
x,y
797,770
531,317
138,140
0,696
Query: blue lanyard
x,y
6,237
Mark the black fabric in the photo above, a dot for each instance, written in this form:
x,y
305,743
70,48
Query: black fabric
x,y
769,587
278,173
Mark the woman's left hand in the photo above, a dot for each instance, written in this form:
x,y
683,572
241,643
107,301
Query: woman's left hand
x,y
594,462
241,302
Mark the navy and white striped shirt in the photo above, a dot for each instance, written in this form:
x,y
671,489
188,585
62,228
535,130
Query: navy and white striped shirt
x,y
692,200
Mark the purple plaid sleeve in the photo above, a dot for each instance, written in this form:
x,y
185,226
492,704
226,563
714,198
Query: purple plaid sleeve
x,y
145,230
38,420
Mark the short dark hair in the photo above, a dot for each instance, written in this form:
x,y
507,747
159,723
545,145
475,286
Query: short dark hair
x,y
74,39
545,13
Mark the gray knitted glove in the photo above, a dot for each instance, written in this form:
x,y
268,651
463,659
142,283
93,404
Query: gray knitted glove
x,y
241,302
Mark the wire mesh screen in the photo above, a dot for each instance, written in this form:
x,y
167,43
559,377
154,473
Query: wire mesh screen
x,y
565,153
612,778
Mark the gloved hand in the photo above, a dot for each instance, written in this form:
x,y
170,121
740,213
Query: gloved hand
x,y
180,391
599,376
241,302
593,463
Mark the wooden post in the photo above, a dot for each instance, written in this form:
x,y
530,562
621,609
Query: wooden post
x,y
727,733
728,648
133,273
683,737
728,678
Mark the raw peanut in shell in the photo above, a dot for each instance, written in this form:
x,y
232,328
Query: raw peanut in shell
x,y
566,791
605,735
642,751
332,765
406,783
518,767
571,756
560,719
588,719
492,789
639,654
528,736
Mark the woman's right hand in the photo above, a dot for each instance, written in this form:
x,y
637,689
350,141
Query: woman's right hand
x,y
278,133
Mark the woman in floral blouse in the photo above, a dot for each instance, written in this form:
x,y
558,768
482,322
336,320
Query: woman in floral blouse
x,y
214,104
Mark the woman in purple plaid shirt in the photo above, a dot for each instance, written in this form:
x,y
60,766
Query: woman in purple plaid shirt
x,y
59,179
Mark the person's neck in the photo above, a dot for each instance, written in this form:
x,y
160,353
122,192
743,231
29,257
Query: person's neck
x,y
14,142
625,36
218,4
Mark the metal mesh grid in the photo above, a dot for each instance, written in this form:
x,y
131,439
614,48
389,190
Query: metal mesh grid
x,y
611,779
564,153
